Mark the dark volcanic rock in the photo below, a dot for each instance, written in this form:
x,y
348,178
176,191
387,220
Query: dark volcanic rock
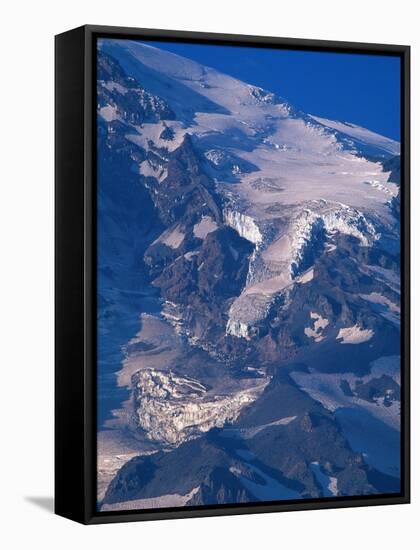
x,y
197,463
205,282
384,387
185,195
224,260
393,165
315,438
221,487
167,133
131,101
218,271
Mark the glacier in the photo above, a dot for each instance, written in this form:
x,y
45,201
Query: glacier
x,y
244,225
173,408
297,248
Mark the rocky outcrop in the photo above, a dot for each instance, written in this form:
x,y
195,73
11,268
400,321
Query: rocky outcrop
x,y
123,98
393,165
185,195
204,282
221,487
378,390
201,465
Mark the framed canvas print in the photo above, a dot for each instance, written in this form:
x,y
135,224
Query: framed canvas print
x,y
232,274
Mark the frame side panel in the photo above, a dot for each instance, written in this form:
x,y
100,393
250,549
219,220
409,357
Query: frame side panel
x,y
69,275
406,269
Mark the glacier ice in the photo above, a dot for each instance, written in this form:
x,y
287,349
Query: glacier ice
x,y
173,408
306,235
244,225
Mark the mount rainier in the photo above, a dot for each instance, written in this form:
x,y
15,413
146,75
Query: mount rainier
x,y
246,251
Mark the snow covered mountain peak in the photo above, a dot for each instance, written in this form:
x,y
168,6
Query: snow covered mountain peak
x,y
171,76
283,177
248,277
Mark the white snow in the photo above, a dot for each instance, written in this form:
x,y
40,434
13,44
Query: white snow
x,y
161,501
362,135
279,250
330,247
172,237
249,433
109,113
350,221
150,132
111,86
326,388
148,170
306,277
233,116
306,176
276,262
332,486
319,325
354,335
204,227
244,225
237,328
189,255
328,483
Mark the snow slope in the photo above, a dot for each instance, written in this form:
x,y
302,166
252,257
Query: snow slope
x,y
362,136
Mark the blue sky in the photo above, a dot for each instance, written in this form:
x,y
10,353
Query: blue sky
x,y
363,89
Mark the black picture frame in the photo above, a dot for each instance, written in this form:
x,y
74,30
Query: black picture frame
x,y
75,290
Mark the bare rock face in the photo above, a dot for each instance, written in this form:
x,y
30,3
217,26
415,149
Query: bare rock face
x,y
185,194
306,423
203,282
122,97
221,487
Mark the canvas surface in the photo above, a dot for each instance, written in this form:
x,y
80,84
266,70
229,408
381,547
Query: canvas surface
x,y
248,277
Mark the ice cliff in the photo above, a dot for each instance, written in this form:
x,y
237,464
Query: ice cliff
x,y
172,408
